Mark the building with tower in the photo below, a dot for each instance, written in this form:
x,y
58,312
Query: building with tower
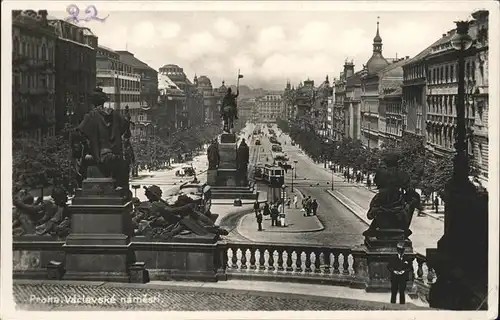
x,y
378,75
204,85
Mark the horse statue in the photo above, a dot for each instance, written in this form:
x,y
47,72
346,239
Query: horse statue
x,y
229,110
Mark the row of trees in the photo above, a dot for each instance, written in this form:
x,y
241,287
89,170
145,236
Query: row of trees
x,y
39,164
426,172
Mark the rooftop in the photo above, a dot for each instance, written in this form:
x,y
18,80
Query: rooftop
x,y
129,58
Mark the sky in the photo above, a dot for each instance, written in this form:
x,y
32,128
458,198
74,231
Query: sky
x,y
268,47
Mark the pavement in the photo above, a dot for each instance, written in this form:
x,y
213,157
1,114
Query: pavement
x,y
233,295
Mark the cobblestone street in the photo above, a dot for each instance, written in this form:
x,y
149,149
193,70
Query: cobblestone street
x,y
45,296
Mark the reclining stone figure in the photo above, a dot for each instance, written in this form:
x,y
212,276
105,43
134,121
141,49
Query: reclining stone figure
x,y
158,219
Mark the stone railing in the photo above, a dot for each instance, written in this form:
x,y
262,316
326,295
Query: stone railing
x,y
232,260
290,262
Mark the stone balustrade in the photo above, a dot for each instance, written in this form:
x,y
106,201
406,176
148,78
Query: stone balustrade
x,y
236,260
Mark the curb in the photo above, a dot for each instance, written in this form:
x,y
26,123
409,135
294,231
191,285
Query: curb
x,y
364,220
284,231
432,216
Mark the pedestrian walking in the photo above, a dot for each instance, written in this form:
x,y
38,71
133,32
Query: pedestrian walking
x,y
436,203
288,203
308,205
399,268
259,220
274,216
314,207
267,210
256,207
295,201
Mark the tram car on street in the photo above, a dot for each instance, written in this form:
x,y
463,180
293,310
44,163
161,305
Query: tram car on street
x,y
274,176
276,148
202,194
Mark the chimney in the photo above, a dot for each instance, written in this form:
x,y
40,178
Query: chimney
x,y
43,14
407,57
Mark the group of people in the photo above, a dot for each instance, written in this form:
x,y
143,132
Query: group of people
x,y
275,211
309,206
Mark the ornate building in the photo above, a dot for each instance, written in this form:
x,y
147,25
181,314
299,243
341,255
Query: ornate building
x,y
194,110
33,75
204,85
269,107
171,113
148,95
288,101
441,94
75,71
323,92
338,117
378,76
352,100
391,115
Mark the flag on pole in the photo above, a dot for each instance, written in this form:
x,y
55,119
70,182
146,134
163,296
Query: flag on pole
x,y
240,76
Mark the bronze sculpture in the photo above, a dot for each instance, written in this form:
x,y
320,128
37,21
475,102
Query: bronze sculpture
x,y
158,219
242,157
99,141
213,155
391,209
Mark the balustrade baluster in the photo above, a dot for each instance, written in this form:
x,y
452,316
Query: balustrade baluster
x,y
420,269
252,258
298,262
243,259
225,257
345,265
326,261
262,260
234,258
308,261
289,262
317,262
336,263
280,259
270,260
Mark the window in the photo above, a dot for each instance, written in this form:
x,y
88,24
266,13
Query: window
x,y
473,70
15,45
446,74
452,76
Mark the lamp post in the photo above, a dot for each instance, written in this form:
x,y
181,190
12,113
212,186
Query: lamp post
x,y
463,249
295,168
332,176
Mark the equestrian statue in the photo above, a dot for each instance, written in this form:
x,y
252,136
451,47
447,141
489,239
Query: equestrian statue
x,y
229,108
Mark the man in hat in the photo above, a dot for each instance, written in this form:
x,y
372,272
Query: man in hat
x,y
399,268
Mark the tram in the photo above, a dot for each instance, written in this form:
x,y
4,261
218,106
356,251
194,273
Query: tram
x,y
273,176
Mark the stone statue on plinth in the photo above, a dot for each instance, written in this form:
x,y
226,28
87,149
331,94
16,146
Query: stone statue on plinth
x,y
243,157
158,219
98,141
229,110
391,209
213,155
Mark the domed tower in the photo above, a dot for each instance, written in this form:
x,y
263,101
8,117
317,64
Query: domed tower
x,y
377,61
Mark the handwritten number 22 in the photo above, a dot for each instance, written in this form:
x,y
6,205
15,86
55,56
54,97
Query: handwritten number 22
x,y
90,13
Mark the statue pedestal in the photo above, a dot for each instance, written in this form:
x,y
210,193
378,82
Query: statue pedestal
x,y
371,261
98,246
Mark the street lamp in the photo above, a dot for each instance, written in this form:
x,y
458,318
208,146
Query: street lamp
x,y
332,176
464,246
295,168
461,41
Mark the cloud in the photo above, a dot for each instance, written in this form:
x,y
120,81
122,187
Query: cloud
x,y
226,28
201,44
169,30
270,40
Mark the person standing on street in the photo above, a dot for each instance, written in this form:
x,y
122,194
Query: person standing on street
x,y
399,268
267,210
259,220
436,204
256,207
274,216
314,207
295,201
